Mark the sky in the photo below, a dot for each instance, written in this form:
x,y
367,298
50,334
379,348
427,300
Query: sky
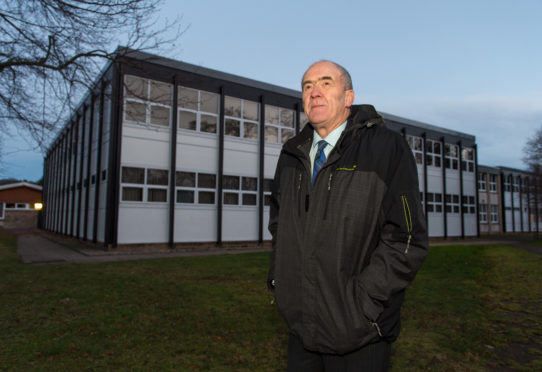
x,y
473,66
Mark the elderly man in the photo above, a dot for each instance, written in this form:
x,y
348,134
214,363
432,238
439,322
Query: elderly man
x,y
348,230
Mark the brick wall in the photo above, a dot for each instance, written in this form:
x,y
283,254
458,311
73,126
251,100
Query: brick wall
x,y
16,219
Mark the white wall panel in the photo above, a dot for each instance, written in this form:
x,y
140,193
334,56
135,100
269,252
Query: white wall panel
x,y
144,223
239,224
195,224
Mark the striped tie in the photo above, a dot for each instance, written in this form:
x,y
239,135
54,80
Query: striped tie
x,y
319,159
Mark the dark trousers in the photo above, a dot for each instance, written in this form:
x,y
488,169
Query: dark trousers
x,y
370,358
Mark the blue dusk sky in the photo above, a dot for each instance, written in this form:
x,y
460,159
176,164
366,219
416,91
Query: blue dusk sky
x,y
472,66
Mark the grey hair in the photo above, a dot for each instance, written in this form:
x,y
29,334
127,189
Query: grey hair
x,y
345,75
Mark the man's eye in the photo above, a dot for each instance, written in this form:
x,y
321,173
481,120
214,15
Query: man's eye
x,y
307,87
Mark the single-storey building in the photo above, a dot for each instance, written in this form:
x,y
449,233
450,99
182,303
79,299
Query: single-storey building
x,y
20,203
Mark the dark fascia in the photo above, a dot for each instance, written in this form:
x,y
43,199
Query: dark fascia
x,y
432,131
515,171
199,70
488,169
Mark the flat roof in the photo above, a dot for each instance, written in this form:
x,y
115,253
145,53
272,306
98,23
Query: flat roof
x,y
431,127
179,65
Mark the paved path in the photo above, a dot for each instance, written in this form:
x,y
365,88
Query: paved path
x,y
38,247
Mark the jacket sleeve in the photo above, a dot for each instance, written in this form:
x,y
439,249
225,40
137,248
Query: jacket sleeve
x,y
402,244
273,221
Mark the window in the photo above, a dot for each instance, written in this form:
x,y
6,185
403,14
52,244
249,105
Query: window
x,y
468,204
198,110
482,182
195,188
140,184
416,145
240,190
451,156
517,182
483,213
433,153
267,191
434,202
467,160
452,203
279,124
241,118
1,211
494,213
506,184
147,101
302,120
493,183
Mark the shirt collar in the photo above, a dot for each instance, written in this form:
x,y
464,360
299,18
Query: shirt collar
x,y
331,138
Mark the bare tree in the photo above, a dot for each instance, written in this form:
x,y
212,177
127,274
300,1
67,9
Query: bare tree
x,y
532,157
52,50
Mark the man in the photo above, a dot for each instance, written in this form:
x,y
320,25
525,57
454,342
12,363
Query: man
x,y
348,230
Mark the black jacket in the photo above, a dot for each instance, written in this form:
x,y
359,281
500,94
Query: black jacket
x,y
345,249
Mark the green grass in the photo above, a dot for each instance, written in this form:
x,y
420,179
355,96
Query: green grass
x,y
468,306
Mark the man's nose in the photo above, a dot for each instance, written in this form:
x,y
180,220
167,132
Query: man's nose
x,y
315,92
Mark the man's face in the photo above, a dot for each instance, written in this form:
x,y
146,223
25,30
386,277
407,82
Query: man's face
x,y
325,100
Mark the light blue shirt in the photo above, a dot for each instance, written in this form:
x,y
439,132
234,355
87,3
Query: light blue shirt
x,y
331,140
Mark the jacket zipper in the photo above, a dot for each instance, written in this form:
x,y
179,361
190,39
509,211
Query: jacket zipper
x,y
408,220
328,194
299,193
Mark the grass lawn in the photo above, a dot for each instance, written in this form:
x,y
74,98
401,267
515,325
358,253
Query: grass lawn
x,y
471,308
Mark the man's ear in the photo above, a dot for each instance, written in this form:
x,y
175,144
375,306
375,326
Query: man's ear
x,y
348,98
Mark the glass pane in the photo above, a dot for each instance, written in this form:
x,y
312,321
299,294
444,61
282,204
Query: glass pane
x,y
188,98
187,120
135,87
250,110
136,111
208,123
132,194
185,196
271,114
430,196
157,177
436,147
160,115
230,182
206,197
251,130
133,175
287,118
186,179
209,102
231,198
250,183
232,107
160,92
157,195
267,200
303,119
233,127
438,198
207,180
418,144
286,134
271,134
249,199
267,182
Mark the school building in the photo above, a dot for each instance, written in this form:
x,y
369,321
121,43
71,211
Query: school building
x,y
167,153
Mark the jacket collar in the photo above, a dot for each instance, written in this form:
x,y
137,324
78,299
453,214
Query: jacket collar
x,y
361,116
